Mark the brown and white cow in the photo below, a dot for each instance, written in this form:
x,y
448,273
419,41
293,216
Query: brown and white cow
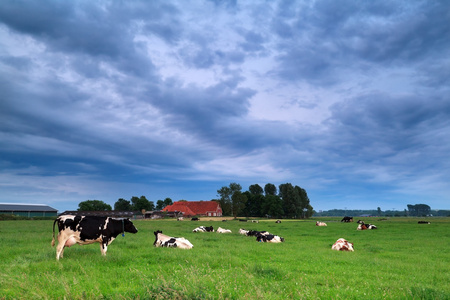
x,y
364,226
162,240
342,245
321,223
85,230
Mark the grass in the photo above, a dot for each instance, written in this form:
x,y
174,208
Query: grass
x,y
400,260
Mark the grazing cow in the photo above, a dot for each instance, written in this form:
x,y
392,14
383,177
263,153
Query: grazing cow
x,y
363,226
277,221
222,230
85,230
162,240
269,238
321,223
423,222
342,245
347,219
195,219
203,229
243,231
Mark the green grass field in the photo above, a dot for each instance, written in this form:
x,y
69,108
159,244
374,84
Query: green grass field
x,y
400,260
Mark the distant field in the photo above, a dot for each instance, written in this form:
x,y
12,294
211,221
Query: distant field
x,y
400,260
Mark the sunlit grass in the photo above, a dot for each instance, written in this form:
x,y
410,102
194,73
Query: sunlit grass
x,y
399,260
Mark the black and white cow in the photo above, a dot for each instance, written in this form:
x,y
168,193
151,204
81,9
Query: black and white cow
x,y
85,230
203,229
423,222
269,238
256,233
162,240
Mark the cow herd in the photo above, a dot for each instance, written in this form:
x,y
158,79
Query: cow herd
x,y
85,230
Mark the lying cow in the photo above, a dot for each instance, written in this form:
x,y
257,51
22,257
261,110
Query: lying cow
x,y
203,229
269,238
222,230
347,219
423,222
321,223
162,240
363,226
85,230
342,245
256,233
243,231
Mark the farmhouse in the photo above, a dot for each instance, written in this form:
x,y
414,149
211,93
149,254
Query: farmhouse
x,y
195,208
28,210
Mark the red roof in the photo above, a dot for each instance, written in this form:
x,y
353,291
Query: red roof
x,y
192,208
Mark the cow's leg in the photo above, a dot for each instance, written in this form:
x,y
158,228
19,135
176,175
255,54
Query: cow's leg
x,y
103,248
60,247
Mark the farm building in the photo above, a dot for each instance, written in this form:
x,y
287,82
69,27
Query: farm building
x,y
195,208
28,210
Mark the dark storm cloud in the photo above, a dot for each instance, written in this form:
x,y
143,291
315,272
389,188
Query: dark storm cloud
x,y
331,37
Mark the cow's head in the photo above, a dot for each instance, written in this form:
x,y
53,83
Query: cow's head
x,y
128,226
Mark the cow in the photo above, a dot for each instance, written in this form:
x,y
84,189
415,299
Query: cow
x,y
255,221
243,231
423,222
342,245
195,219
321,223
363,226
162,240
203,229
180,219
85,230
347,219
277,221
256,233
222,230
269,238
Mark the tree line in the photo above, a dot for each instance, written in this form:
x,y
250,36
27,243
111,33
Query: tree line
x,y
287,201
134,204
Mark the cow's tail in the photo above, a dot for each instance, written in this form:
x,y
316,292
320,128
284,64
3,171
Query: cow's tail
x,y
53,239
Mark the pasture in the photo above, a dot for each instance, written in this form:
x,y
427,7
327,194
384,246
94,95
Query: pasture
x,y
400,260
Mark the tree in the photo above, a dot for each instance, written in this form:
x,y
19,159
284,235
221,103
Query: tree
x,y
142,203
270,189
167,202
256,189
238,202
225,193
272,206
93,205
379,211
160,205
291,200
122,205
418,210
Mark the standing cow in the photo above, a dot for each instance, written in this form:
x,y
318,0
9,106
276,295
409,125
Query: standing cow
x,y
85,230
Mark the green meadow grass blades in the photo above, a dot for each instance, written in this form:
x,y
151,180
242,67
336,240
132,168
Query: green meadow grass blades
x,y
399,260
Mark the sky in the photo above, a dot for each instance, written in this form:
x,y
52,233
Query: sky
x,y
101,100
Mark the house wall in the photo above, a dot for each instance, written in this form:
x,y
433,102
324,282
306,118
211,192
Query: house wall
x,y
30,214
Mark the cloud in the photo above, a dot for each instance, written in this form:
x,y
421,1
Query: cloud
x,y
114,99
